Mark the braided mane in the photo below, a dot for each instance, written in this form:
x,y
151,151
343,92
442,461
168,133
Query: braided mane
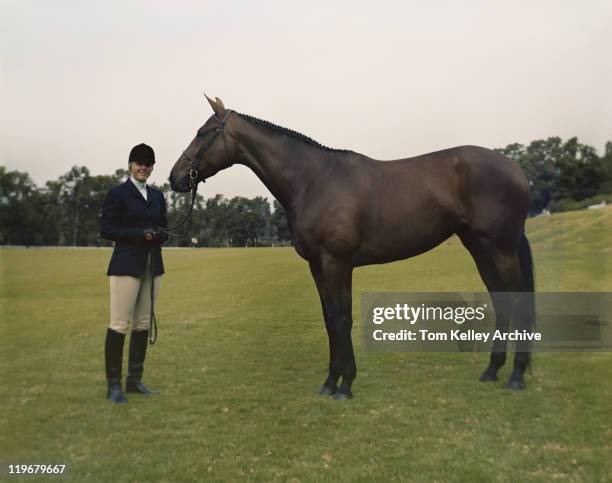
x,y
290,133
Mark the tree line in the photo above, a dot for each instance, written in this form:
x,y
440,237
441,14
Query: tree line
x,y
66,212
562,176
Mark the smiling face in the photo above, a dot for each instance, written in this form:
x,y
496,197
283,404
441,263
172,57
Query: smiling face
x,y
140,172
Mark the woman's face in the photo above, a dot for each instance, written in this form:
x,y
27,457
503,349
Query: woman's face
x,y
140,172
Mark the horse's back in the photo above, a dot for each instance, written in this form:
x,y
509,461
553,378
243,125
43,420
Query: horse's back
x,y
474,182
427,198
373,211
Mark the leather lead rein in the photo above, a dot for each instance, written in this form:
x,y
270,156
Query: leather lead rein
x,y
193,186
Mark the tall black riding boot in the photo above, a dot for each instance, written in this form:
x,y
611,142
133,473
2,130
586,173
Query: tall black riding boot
x,y
138,350
113,352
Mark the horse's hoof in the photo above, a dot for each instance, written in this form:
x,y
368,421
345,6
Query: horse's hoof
x,y
487,377
327,391
341,396
515,385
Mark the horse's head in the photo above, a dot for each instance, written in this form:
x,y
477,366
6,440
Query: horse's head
x,y
209,152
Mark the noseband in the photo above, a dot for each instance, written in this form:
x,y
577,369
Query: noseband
x,y
199,155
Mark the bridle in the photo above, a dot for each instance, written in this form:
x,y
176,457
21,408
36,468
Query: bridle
x,y
194,174
199,155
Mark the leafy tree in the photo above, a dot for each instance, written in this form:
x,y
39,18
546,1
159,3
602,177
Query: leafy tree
x,y
606,170
215,220
20,220
558,171
279,224
260,208
579,172
244,218
79,197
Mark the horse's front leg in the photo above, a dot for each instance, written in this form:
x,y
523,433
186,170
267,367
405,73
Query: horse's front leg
x,y
330,386
334,281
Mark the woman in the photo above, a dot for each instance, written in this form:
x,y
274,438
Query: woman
x,y
133,216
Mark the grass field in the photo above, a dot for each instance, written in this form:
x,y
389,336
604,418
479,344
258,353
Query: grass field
x,y
242,351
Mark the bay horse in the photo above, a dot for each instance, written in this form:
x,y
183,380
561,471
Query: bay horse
x,y
346,210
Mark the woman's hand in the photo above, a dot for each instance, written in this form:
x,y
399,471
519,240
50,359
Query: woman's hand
x,y
155,235
149,234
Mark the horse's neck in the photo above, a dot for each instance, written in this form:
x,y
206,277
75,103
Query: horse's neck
x,y
286,166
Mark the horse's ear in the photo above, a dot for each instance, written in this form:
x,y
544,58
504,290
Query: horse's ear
x,y
217,105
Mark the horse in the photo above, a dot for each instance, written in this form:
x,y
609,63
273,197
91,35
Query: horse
x,y
346,210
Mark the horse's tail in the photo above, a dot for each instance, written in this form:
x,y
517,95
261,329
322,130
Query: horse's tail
x,y
526,261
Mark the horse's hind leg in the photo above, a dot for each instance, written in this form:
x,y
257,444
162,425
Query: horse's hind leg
x,y
517,305
501,272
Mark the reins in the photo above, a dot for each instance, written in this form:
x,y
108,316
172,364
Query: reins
x,y
194,179
152,319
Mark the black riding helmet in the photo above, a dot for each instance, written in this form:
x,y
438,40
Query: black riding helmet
x,y
142,154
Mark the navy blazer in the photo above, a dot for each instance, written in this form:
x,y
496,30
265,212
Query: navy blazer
x,y
124,217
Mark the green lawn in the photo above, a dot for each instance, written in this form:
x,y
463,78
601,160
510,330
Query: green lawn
x,y
243,349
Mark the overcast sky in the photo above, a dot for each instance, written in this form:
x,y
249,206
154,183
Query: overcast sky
x,y
82,82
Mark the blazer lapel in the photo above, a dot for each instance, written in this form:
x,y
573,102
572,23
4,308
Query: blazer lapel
x,y
134,190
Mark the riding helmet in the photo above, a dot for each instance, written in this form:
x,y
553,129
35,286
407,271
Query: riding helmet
x,y
142,154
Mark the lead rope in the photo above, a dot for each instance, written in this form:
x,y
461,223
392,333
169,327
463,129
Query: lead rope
x,y
188,219
168,231
193,184
152,319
